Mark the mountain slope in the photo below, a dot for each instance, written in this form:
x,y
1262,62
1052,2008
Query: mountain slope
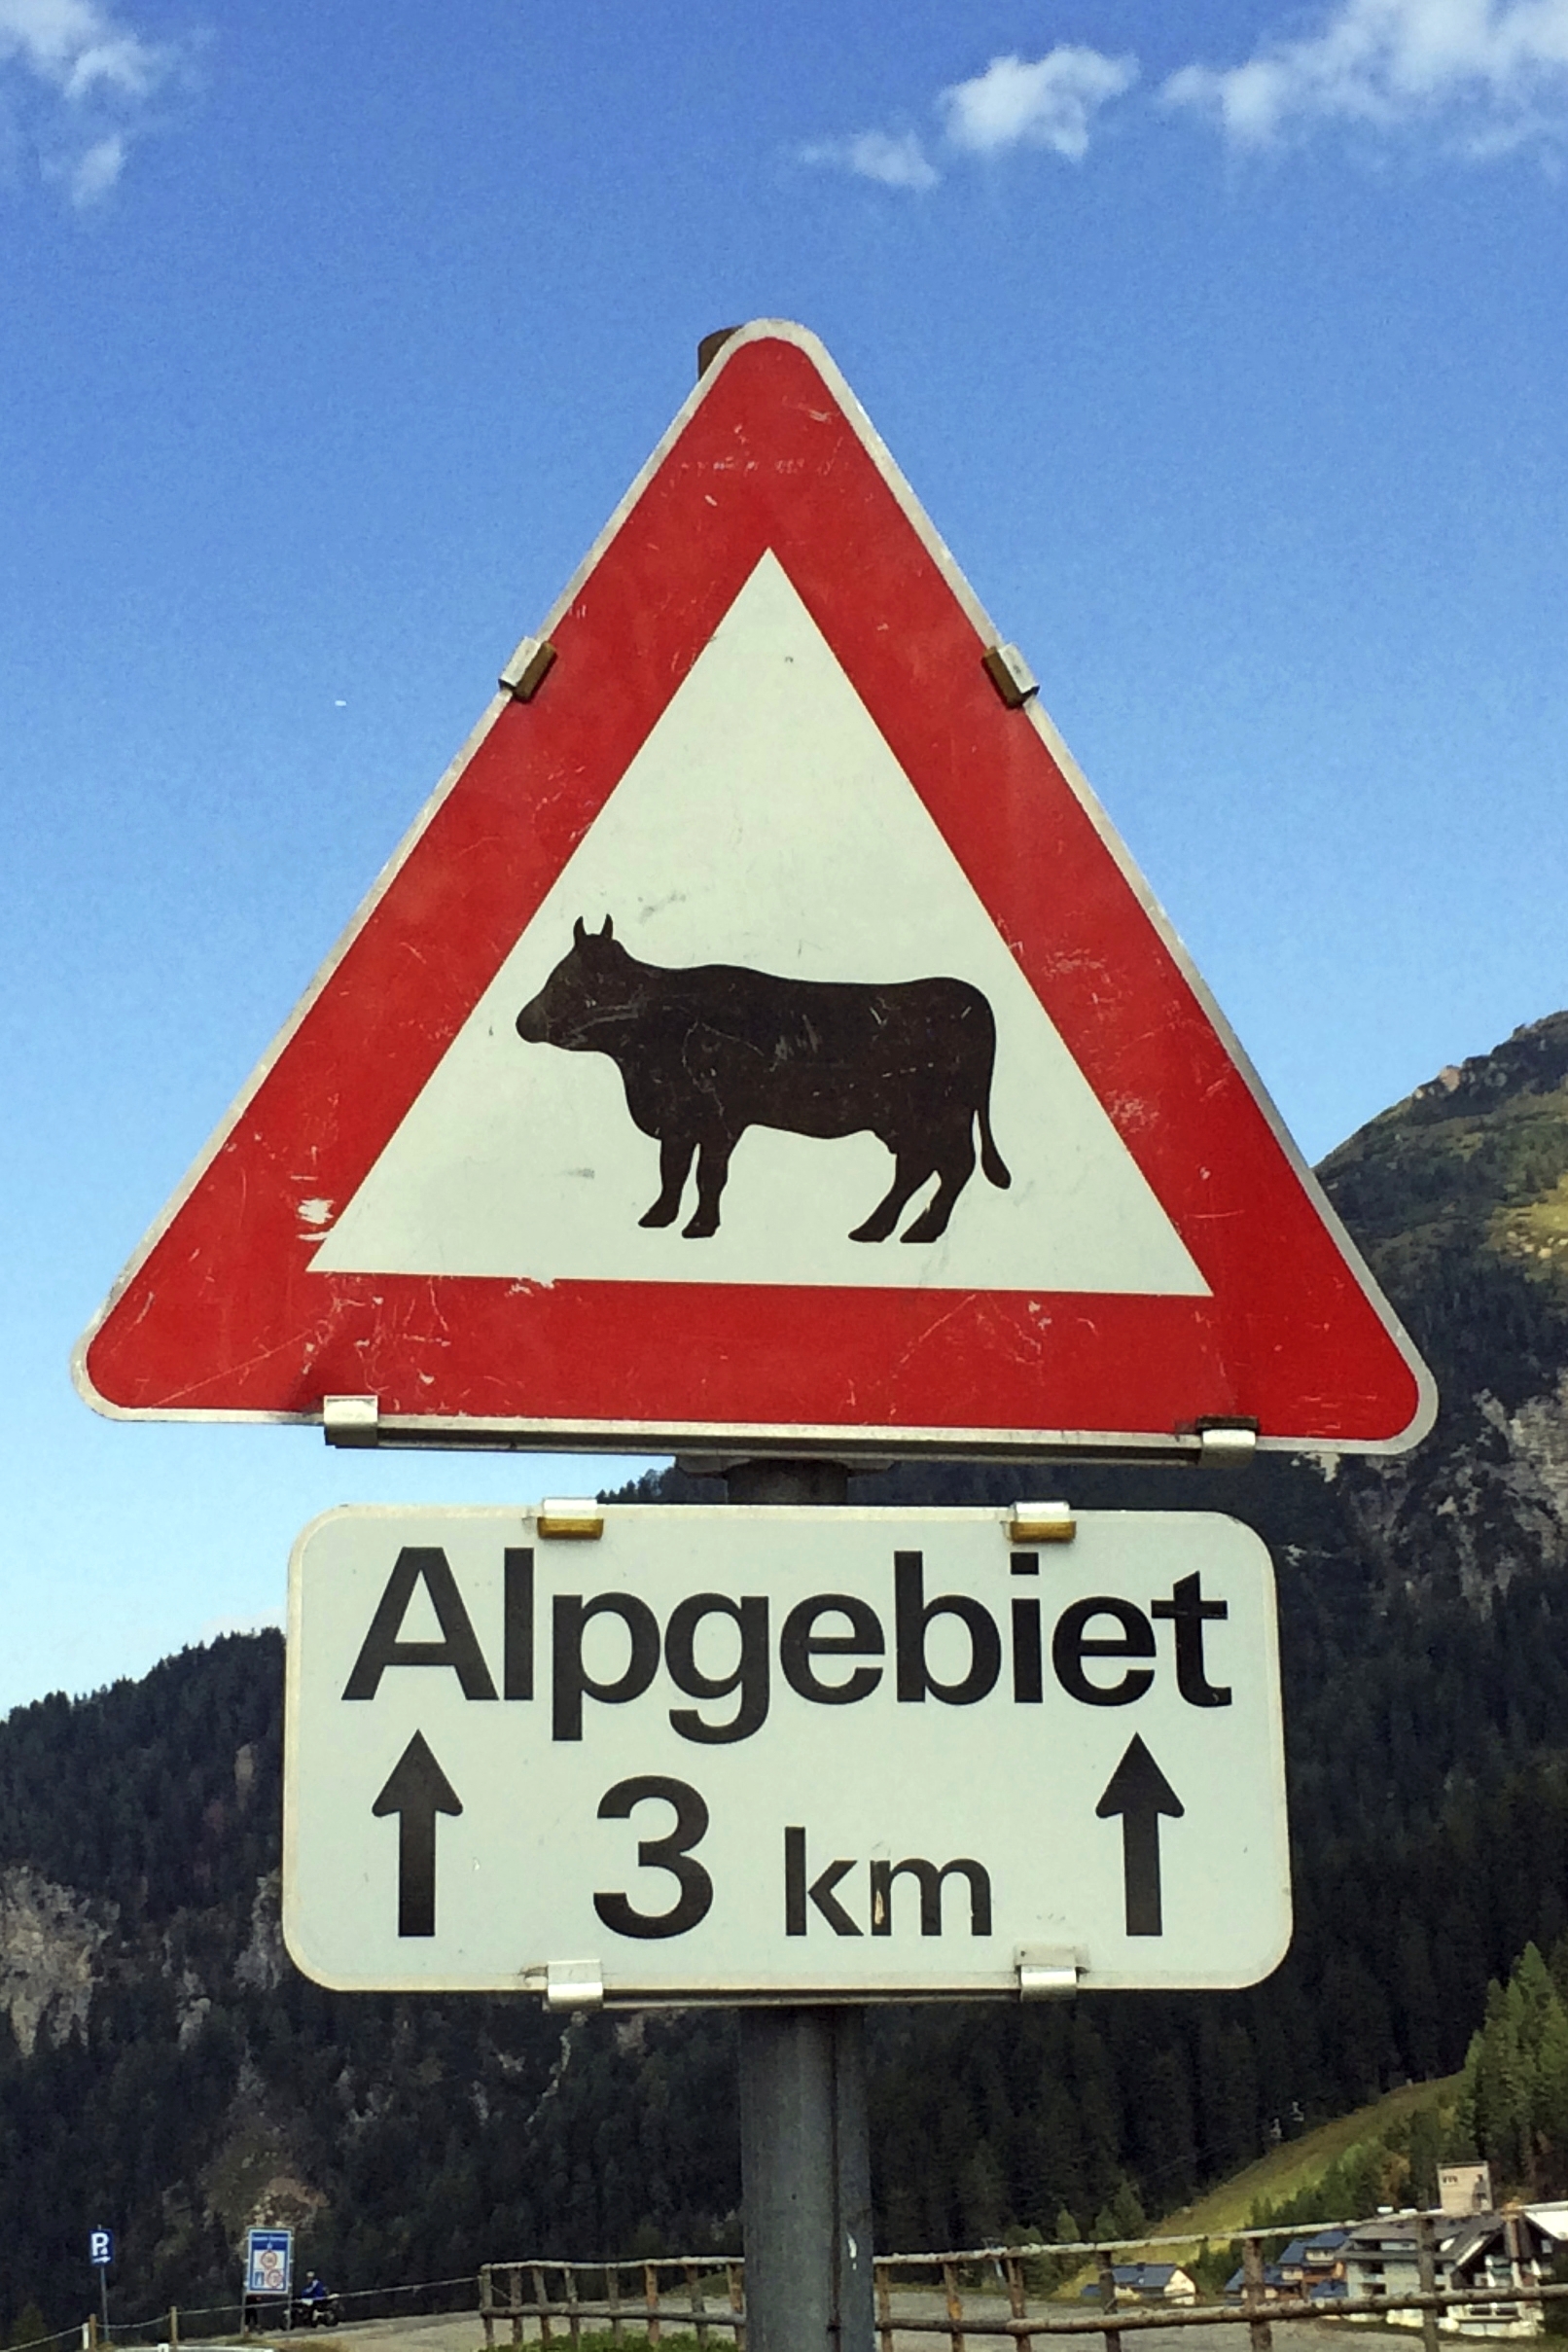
x,y
169,2073
1459,1198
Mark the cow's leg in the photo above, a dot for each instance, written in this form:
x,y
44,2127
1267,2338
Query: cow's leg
x,y
910,1172
956,1165
712,1168
675,1152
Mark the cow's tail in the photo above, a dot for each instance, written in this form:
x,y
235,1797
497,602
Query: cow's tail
x,y
991,1161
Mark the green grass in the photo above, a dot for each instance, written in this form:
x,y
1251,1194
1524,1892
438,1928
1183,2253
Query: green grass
x,y
1296,2164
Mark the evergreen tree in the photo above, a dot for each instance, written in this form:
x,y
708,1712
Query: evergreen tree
x,y
1166,2148
1549,2103
1499,2091
1424,2147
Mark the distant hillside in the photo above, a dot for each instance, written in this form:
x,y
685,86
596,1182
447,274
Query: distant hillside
x,y
1297,2168
1459,1198
169,2073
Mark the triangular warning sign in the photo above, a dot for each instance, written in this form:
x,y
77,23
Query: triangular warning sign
x,y
761,1036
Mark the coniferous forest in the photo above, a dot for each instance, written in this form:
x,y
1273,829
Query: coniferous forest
x,y
169,2073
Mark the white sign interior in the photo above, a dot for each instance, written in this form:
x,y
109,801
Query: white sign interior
x,y
764,823
727,1751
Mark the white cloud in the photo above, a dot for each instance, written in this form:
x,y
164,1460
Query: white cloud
x,y
1051,102
1487,77
1492,73
97,169
85,83
877,155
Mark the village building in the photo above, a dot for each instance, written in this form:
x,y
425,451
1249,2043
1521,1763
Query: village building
x,y
1313,2266
1148,2283
1477,2254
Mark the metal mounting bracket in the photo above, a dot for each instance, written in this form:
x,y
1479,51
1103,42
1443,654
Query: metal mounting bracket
x,y
1227,1443
573,1984
1010,675
1041,1523
1049,1972
525,674
568,1517
351,1420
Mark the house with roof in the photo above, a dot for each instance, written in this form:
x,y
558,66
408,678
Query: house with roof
x,y
1313,2266
1479,2256
1146,2283
1382,2256
1519,2247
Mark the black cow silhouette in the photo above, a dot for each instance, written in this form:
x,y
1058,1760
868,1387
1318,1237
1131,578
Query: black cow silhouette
x,y
708,1051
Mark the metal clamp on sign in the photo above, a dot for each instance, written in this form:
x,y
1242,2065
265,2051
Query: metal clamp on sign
x,y
351,1420
573,1984
1049,1971
1041,1523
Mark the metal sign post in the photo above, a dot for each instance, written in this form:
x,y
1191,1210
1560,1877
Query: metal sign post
x,y
806,2180
805,2175
100,2254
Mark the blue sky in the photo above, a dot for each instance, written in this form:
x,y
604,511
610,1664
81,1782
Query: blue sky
x,y
1226,346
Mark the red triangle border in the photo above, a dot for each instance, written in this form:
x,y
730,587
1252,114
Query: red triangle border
x,y
219,1315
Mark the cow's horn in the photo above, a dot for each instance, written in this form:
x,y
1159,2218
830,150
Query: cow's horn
x,y
579,935
607,932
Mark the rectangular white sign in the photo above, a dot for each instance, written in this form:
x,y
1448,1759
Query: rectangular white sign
x,y
268,2261
730,1752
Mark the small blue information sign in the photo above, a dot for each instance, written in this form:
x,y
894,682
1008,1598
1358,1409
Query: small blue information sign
x,y
268,2261
101,2246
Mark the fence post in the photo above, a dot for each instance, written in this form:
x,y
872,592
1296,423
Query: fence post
x,y
574,2322
1426,2271
611,2290
486,2314
884,2307
650,2296
1517,2248
174,2327
1017,2303
542,2298
515,2303
1107,2271
732,2279
694,2281
954,2302
1252,2289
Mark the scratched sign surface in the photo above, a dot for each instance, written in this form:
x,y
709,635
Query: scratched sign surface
x,y
723,1752
762,1035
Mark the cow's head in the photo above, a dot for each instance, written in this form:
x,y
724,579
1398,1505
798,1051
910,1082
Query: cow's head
x,y
586,997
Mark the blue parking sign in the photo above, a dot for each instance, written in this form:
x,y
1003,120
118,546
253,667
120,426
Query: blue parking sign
x,y
268,2261
101,2247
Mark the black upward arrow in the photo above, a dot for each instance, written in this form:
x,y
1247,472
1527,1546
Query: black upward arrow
x,y
417,1790
1140,1793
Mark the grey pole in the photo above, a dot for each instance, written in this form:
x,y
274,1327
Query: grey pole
x,y
804,2148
